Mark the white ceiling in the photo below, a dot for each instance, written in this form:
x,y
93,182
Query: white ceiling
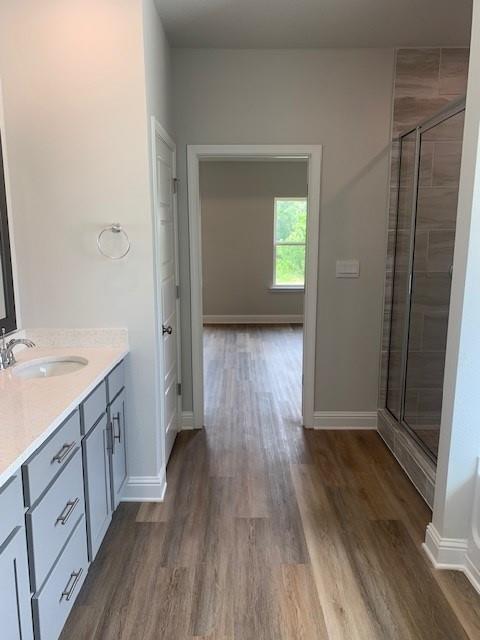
x,y
272,24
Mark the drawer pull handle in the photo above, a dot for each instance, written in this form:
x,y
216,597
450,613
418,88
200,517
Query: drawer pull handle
x,y
67,593
67,512
116,418
63,453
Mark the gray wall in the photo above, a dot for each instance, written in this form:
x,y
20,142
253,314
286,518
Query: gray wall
x,y
78,142
338,98
237,200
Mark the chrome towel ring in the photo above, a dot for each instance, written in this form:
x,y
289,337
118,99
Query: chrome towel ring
x,y
117,229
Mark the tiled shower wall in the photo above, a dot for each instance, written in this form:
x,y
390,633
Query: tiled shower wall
x,y
426,80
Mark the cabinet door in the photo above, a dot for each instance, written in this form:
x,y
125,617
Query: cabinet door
x,y
118,458
15,603
97,485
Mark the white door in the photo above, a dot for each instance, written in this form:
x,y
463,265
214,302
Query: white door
x,y
167,280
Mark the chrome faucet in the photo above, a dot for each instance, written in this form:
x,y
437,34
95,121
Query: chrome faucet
x,y
7,357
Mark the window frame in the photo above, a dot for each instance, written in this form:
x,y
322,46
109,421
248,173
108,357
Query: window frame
x,y
286,287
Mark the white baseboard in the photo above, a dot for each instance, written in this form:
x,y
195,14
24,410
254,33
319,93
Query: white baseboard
x,y
445,553
450,554
252,319
473,573
145,489
187,421
344,420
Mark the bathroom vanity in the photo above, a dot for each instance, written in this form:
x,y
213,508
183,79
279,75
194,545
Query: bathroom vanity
x,y
62,473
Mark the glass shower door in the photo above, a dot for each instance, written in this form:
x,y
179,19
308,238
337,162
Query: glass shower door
x,y
399,316
436,211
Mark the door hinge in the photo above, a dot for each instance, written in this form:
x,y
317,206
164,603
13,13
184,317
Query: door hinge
x,y
177,289
175,184
179,388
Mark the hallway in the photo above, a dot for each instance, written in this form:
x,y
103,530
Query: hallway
x,y
271,532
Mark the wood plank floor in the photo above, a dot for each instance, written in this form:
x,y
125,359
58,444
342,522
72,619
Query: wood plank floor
x,y
271,532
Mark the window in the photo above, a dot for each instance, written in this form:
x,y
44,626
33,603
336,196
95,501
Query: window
x,y
290,233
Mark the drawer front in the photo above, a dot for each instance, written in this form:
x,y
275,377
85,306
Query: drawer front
x,y
53,603
116,381
11,507
52,520
49,460
93,407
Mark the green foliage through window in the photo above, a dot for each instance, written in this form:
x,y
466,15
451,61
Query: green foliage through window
x,y
289,241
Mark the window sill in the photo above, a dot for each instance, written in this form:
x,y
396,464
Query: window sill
x,y
286,289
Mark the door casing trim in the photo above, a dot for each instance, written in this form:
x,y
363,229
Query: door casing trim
x,y
313,156
158,131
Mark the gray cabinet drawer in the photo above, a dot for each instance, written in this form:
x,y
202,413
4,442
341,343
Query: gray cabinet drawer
x,y
11,507
51,521
116,381
53,603
47,462
93,407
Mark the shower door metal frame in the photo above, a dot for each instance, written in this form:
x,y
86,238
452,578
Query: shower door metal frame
x,y
451,110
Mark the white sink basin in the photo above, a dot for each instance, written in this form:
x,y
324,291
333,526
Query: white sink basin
x,y
49,366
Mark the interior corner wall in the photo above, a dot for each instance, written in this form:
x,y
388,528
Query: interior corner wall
x,y
341,99
237,202
74,90
158,76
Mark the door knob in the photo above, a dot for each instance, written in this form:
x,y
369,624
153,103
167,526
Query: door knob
x,y
166,330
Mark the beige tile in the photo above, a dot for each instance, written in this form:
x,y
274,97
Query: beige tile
x,y
421,250
411,406
415,337
417,72
390,251
437,207
425,369
383,368
426,164
392,208
394,380
431,291
435,331
402,250
397,328
409,111
446,164
448,130
440,250
394,162
410,465
453,71
387,433
405,203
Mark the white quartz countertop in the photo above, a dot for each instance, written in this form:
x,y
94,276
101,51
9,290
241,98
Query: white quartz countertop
x,y
31,409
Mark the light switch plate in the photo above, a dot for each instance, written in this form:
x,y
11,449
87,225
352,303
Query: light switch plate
x,y
347,269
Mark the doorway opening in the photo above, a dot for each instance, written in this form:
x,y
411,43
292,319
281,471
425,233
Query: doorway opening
x,y
253,261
